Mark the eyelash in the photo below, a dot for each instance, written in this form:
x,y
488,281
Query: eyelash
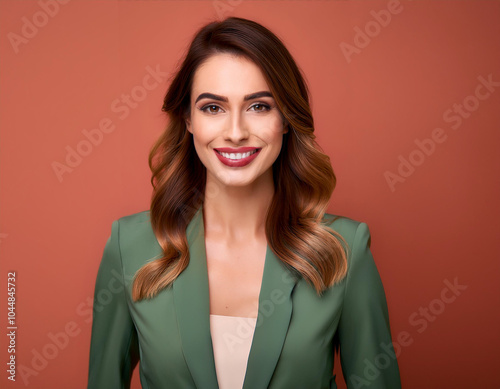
x,y
266,108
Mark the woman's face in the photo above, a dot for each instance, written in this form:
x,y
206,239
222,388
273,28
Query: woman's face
x,y
236,125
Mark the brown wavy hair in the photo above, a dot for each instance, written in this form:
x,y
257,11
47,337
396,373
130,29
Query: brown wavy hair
x,y
304,180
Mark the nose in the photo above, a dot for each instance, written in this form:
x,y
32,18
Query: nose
x,y
236,129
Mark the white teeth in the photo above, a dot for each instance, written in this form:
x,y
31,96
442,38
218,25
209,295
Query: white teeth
x,y
237,156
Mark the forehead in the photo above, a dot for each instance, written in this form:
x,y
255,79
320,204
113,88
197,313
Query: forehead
x,y
228,74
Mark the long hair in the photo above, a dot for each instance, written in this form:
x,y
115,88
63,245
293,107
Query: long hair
x,y
303,177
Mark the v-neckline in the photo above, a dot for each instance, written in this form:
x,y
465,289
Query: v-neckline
x,y
192,308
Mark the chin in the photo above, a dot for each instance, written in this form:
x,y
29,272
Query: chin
x,y
227,180
237,183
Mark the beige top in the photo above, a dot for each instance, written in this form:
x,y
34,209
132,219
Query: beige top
x,y
231,340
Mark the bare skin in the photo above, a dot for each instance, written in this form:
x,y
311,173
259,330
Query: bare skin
x,y
235,276
236,251
237,199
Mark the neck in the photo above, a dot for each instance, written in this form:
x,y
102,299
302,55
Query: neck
x,y
237,213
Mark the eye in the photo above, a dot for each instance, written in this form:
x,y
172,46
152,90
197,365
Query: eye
x,y
259,107
212,108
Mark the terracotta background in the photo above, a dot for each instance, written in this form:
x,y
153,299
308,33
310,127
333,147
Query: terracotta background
x,y
371,108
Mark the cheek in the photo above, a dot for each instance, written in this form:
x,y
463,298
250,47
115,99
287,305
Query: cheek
x,y
277,135
272,131
203,131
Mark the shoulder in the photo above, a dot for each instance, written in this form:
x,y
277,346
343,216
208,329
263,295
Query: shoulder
x,y
135,231
360,262
135,241
134,218
135,223
356,235
347,227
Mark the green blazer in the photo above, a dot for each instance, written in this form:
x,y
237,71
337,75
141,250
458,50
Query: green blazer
x,y
292,346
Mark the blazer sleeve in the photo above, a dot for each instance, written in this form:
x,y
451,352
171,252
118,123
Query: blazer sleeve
x,y
114,350
366,351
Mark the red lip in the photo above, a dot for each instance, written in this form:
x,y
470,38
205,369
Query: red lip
x,y
237,162
238,150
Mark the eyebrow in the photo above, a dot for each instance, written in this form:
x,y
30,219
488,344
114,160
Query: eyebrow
x,y
251,96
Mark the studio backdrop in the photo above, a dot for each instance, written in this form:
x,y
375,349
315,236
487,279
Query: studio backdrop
x,y
406,101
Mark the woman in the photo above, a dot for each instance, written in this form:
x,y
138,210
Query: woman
x,y
236,277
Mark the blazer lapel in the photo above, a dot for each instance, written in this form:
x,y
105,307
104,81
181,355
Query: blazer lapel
x,y
192,306
273,319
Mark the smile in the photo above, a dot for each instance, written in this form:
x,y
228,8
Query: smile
x,y
237,159
237,155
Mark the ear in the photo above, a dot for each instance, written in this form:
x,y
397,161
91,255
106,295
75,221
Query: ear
x,y
188,124
285,127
